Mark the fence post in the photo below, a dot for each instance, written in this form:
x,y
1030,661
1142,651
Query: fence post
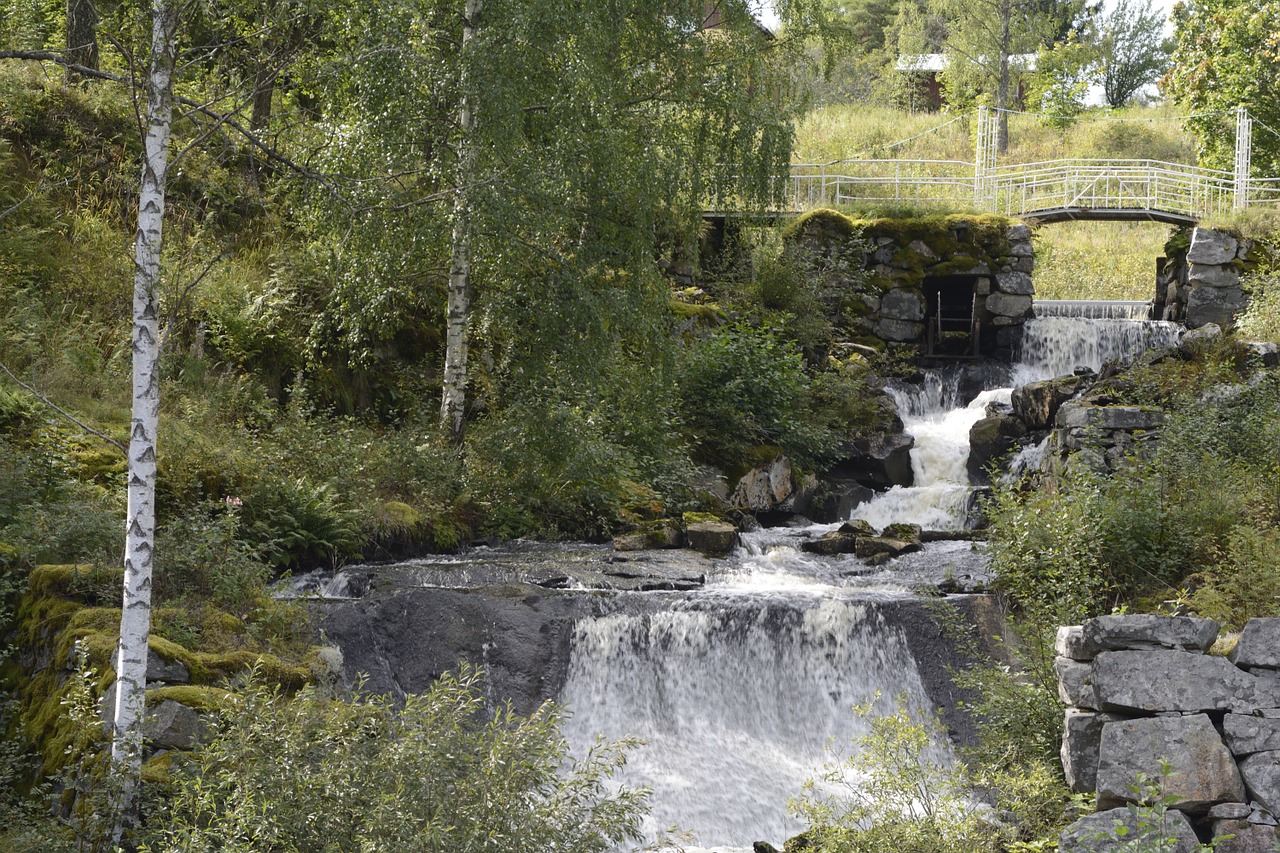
x,y
1244,153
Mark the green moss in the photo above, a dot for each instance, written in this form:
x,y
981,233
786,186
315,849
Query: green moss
x,y
709,312
402,515
200,697
957,265
831,222
158,769
700,517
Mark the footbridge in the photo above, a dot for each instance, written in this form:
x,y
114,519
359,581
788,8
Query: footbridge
x,y
1052,191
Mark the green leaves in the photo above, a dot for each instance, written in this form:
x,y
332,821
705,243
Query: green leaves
x,y
440,771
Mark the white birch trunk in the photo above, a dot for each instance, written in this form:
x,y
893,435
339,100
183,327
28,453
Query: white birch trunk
x,y
453,400
135,617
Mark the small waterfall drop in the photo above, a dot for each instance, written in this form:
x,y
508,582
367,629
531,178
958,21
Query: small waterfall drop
x,y
1057,346
736,698
1093,309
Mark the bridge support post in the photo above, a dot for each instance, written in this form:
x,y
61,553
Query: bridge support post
x,y
1244,154
984,160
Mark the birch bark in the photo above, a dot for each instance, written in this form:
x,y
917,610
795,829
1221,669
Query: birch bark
x,y
454,395
135,617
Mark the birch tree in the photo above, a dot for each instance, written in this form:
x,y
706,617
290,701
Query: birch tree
x,y
135,616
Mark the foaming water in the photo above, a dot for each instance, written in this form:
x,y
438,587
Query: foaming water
x,y
934,417
736,703
1057,346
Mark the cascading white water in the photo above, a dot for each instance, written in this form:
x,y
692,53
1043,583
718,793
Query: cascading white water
x,y
1092,309
736,697
1056,346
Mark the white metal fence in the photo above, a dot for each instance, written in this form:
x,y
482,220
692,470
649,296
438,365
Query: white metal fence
x,y
1021,189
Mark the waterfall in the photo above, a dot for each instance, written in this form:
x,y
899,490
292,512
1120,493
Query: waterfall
x,y
1093,309
1056,346
736,698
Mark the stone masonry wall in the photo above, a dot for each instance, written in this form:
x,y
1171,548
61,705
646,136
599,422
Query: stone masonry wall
x,y
1201,284
1142,690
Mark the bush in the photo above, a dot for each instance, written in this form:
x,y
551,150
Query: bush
x,y
201,559
743,387
315,773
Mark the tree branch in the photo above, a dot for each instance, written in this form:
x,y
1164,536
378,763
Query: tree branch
x,y
43,399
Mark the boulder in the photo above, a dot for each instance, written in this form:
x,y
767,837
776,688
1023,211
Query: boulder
x,y
772,486
922,249
991,439
661,534
1008,305
1081,741
1149,631
1018,233
902,304
1261,772
1075,683
830,544
1199,275
1240,836
714,538
1218,305
883,461
1070,644
1196,338
859,527
1211,247
1166,680
900,331
1266,351
172,725
836,499
1096,833
1015,283
1202,775
1084,416
168,671
884,547
1259,645
1036,403
1246,735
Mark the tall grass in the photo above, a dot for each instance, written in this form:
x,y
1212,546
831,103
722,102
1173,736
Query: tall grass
x,y
1098,260
844,131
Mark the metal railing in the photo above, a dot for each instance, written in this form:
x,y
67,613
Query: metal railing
x,y
1025,188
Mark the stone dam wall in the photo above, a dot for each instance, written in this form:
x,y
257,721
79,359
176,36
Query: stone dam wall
x,y
1143,692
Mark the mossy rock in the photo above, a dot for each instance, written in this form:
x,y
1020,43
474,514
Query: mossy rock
x,y
159,769
74,581
700,517
825,221
701,313
402,515
201,697
102,465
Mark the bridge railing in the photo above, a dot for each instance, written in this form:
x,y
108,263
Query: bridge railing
x,y
1111,185
1016,189
945,183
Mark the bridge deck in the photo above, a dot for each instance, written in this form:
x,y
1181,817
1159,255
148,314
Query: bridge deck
x,y
1107,214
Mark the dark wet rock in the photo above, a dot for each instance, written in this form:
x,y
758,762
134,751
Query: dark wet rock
x,y
832,543
661,534
992,439
168,671
857,527
870,547
1037,403
882,461
714,538
837,498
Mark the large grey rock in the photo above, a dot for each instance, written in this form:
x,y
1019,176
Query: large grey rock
x,y
1261,772
1259,645
1016,283
902,304
1214,305
901,331
715,538
1018,233
1260,696
1070,644
883,460
168,671
1037,403
1022,249
1149,631
990,440
172,725
1082,416
1166,680
764,488
1007,305
1096,833
1211,247
1240,836
1246,735
1202,775
1212,276
1081,741
664,534
830,544
1075,683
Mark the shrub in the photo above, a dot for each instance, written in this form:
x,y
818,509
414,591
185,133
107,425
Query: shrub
x,y
315,773
200,558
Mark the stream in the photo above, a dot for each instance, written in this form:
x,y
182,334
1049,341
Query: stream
x,y
736,673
